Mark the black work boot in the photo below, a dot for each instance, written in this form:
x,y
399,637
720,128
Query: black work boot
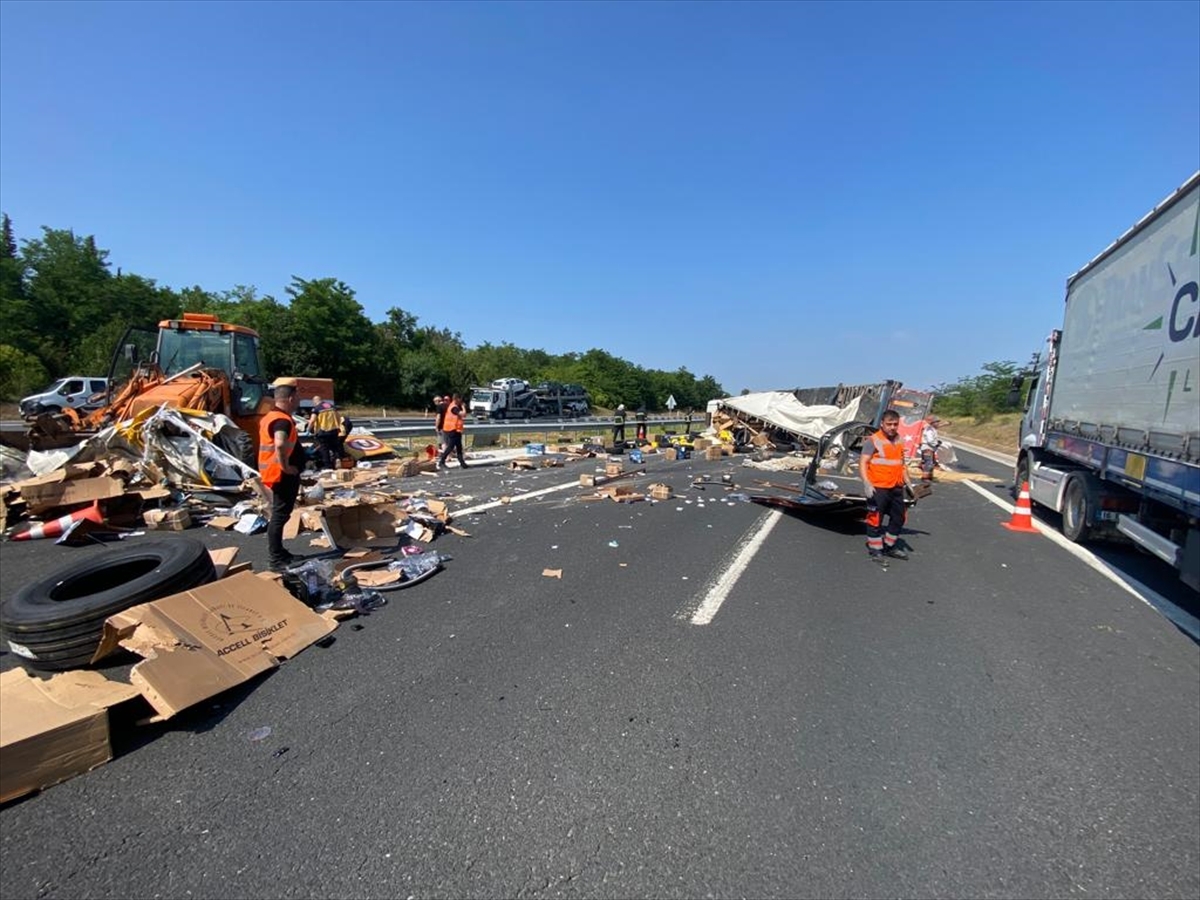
x,y
895,553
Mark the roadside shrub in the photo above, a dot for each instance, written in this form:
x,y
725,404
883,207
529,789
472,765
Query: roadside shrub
x,y
20,373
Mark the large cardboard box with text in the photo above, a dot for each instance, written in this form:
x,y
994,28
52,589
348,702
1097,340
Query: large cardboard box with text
x,y
194,645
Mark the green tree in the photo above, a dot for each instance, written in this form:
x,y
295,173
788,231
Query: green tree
x,y
21,374
979,395
339,339
66,277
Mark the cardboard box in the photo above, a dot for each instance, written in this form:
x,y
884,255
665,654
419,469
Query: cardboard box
x,y
661,492
713,453
668,453
167,519
700,444
365,525
613,468
587,480
54,490
406,468
54,729
201,642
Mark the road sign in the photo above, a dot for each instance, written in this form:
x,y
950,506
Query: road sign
x,y
671,403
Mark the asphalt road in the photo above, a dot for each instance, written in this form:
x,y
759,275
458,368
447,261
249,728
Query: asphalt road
x,y
992,718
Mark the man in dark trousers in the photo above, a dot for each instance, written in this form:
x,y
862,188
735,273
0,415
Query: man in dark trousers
x,y
641,423
280,459
454,422
885,477
325,426
439,420
619,426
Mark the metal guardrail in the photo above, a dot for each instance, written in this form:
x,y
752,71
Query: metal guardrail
x,y
392,429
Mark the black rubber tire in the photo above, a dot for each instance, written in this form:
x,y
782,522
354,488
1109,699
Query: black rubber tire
x,y
236,442
1076,512
59,619
1020,475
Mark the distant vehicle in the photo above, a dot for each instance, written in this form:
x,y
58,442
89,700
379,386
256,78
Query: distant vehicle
x,y
307,388
1111,433
81,392
504,398
554,399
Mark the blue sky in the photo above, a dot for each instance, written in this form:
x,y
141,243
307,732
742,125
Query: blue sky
x,y
775,194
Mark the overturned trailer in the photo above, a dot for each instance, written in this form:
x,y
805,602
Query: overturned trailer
x,y
797,419
827,422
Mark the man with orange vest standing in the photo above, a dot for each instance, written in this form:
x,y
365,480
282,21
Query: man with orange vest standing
x,y
280,459
453,423
885,478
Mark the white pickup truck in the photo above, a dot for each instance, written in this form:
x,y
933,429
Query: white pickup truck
x,y
76,391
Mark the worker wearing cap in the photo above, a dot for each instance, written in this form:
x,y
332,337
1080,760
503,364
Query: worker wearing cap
x,y
619,426
280,459
885,477
930,441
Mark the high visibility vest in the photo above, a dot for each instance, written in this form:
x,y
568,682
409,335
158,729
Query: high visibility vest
x,y
885,467
326,419
268,463
453,421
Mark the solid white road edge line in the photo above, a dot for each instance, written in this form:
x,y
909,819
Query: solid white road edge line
x,y
1184,620
751,542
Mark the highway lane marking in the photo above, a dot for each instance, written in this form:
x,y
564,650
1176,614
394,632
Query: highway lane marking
x,y
515,499
751,543
1184,620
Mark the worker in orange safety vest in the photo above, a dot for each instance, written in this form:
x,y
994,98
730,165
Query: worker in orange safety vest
x,y
452,424
280,459
885,479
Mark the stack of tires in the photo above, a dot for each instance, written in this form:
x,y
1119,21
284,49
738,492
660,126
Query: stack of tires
x,y
56,622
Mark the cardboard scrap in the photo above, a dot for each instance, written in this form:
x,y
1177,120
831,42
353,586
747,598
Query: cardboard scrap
x,y
222,558
203,641
552,573
167,519
54,729
57,489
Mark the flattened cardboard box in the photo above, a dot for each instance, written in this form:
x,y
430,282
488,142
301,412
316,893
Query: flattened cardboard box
x,y
54,729
201,642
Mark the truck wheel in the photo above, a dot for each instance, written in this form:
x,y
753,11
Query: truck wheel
x,y
1076,512
1021,475
56,622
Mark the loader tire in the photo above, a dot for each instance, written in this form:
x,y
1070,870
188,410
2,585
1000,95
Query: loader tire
x,y
56,622
236,442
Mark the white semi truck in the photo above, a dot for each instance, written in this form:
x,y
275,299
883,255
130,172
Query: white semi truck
x,y
1111,433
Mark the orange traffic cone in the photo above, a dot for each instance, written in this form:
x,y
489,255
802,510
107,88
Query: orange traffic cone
x,y
1022,517
34,530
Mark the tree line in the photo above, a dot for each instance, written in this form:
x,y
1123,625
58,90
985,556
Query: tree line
x,y
64,311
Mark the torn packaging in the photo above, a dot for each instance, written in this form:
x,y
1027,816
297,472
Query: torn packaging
x,y
362,526
53,729
200,642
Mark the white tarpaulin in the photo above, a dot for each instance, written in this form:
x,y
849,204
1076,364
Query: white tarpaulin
x,y
782,410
